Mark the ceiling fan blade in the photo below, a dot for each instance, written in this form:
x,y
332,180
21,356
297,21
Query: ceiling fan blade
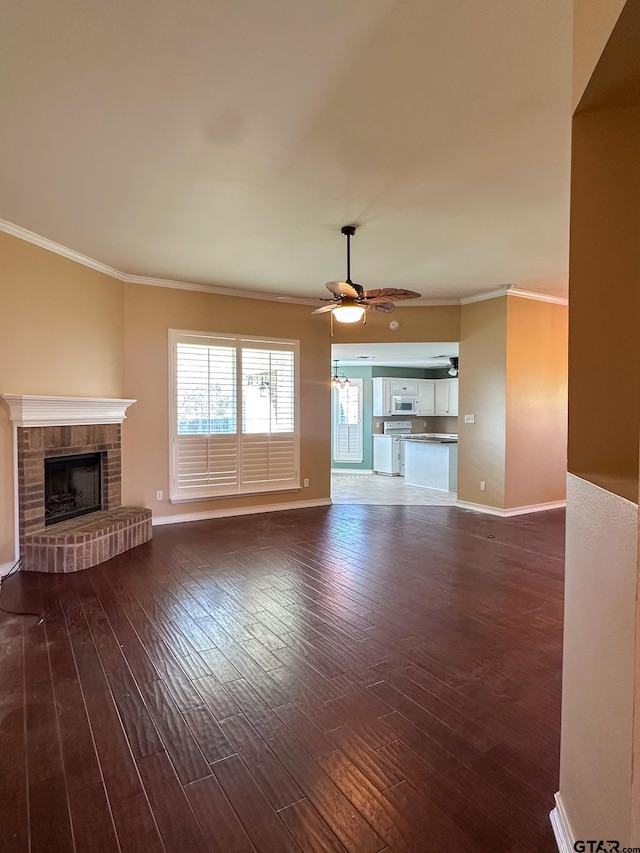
x,y
374,305
348,293
341,288
376,300
391,293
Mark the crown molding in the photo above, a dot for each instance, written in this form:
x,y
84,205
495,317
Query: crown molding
x,y
538,297
30,410
150,281
512,290
489,294
205,288
57,248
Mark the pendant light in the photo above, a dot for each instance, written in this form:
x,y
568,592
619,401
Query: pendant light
x,y
338,381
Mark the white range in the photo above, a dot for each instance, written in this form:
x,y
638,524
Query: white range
x,y
388,450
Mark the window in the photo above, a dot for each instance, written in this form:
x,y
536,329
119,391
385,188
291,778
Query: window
x,y
347,422
234,415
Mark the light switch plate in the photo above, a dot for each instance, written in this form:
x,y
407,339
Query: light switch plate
x,y
469,419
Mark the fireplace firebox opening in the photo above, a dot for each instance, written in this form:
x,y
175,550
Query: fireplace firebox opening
x,y
72,486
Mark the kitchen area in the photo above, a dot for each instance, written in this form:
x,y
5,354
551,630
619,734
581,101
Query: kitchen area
x,y
408,451
426,459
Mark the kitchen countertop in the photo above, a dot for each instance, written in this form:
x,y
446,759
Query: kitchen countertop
x,y
433,437
437,437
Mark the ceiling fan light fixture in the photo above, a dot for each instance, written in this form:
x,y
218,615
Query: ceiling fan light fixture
x,y
348,313
351,301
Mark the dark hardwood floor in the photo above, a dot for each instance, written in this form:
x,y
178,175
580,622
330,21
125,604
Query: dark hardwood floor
x,y
346,678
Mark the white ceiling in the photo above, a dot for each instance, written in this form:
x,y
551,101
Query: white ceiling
x,y
394,355
225,142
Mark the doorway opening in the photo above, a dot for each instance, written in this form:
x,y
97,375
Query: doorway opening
x,y
410,375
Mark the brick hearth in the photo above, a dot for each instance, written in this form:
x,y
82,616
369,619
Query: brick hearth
x,y
84,542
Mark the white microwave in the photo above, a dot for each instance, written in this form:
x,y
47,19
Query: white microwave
x,y
404,405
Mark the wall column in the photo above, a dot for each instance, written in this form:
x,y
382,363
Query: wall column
x,y
600,745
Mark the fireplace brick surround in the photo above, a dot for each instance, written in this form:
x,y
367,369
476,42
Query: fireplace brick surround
x,y
82,542
35,444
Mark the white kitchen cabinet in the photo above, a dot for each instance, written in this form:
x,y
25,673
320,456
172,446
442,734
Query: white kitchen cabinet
x,y
434,396
403,387
387,454
453,397
426,397
385,388
446,397
432,465
381,397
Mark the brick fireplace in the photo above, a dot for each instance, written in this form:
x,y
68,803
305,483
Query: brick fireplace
x,y
59,427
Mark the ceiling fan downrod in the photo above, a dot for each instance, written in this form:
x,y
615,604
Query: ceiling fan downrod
x,y
348,231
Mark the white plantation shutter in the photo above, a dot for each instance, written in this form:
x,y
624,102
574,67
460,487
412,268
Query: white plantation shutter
x,y
268,459
234,408
269,450
204,461
205,394
347,422
268,391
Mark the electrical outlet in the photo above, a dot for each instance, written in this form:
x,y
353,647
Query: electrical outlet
x,y
469,419
159,495
483,486
305,482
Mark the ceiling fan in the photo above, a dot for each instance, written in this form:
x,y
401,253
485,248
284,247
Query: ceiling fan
x,y
350,301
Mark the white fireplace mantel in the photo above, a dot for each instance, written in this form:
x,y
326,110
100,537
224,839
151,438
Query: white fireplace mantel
x,y
28,410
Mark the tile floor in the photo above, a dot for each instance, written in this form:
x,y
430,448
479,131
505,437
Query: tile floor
x,y
355,488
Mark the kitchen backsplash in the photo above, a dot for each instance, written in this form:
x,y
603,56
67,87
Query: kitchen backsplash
x,y
421,424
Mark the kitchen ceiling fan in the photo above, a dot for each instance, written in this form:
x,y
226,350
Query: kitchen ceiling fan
x,y
351,301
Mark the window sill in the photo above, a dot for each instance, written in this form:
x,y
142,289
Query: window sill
x,y
233,495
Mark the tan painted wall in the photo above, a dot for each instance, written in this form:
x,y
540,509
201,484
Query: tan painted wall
x,y
417,323
600,748
66,329
150,313
61,332
536,428
593,22
604,359
598,662
120,348
483,362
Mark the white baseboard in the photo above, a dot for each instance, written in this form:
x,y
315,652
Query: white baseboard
x,y
352,470
516,510
159,520
5,568
561,827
